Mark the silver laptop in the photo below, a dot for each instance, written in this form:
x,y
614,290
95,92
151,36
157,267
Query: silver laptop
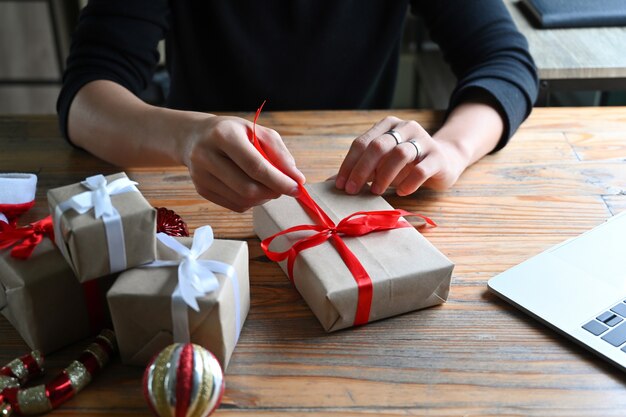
x,y
577,287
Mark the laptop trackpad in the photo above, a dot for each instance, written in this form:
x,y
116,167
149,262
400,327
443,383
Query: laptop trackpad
x,y
556,290
600,252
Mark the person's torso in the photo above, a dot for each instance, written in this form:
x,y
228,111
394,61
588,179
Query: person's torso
x,y
298,54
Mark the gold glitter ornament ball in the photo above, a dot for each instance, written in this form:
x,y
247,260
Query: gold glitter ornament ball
x,y
184,380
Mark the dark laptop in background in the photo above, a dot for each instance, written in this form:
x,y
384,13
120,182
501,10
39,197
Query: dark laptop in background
x,y
576,13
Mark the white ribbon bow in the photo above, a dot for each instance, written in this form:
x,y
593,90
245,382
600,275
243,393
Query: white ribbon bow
x,y
196,278
99,198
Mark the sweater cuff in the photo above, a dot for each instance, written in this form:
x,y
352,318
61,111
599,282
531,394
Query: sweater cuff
x,y
67,94
506,96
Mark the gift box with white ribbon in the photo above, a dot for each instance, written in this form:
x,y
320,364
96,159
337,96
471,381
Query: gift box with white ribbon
x,y
196,291
103,225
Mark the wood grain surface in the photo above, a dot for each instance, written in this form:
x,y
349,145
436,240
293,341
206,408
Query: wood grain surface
x,y
563,173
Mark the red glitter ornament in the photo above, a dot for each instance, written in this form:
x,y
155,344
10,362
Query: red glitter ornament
x,y
170,223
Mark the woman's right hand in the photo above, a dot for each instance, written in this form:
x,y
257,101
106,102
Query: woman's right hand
x,y
226,168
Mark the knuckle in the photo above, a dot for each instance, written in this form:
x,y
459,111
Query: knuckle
x,y
269,135
359,144
222,129
391,120
413,125
378,146
274,135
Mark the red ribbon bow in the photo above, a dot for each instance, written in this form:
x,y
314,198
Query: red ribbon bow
x,y
26,238
356,224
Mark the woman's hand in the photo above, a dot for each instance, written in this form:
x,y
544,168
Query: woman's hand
x,y
472,129
376,156
226,168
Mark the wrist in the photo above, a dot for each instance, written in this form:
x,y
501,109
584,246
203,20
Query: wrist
x,y
456,155
184,128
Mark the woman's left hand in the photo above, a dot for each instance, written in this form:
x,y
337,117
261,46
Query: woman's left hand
x,y
399,153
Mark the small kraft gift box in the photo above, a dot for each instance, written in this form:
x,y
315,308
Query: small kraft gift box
x,y
103,225
353,259
39,294
196,291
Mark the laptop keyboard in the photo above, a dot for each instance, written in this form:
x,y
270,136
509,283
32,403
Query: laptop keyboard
x,y
610,325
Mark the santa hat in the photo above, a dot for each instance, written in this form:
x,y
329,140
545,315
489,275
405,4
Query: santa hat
x,y
17,195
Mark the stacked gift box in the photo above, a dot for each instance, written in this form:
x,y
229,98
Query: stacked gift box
x,y
97,260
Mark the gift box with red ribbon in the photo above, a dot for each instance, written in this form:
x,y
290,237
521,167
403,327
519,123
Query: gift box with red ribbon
x,y
354,259
40,295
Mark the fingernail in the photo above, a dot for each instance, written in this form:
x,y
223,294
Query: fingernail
x,y
340,181
351,187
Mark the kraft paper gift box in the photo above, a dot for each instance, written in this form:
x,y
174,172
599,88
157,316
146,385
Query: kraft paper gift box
x,y
43,300
119,233
407,272
143,302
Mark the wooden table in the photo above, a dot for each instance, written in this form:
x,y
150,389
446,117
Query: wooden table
x,y
574,58
563,173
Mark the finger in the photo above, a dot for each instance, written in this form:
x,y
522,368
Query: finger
x,y
378,149
220,200
417,176
367,164
399,162
250,161
249,194
227,173
391,166
359,145
404,172
275,148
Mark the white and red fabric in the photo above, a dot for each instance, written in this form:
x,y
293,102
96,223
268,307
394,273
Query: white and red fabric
x,y
17,195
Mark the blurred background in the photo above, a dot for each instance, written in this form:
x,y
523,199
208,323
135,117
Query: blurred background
x,y
577,67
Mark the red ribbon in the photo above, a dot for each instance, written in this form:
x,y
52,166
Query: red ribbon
x,y
26,238
356,224
13,211
94,301
24,241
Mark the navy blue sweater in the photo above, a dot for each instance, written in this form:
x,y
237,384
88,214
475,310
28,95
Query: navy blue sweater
x,y
230,55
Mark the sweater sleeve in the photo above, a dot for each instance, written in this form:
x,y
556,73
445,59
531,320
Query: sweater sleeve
x,y
486,52
114,40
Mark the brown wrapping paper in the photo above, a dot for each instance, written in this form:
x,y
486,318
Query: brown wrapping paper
x,y
141,299
44,301
408,272
85,236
